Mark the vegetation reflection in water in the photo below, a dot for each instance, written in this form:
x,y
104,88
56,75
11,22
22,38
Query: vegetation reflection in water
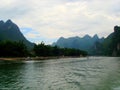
x,y
97,73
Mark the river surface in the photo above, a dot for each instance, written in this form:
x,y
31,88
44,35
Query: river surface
x,y
93,73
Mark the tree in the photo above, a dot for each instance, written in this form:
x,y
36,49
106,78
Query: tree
x,y
13,49
47,50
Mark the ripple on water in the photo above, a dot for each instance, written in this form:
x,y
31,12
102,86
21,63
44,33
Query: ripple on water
x,y
102,73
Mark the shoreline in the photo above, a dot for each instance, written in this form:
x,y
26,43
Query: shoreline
x,y
35,58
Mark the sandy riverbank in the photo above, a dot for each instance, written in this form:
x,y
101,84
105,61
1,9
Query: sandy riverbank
x,y
34,58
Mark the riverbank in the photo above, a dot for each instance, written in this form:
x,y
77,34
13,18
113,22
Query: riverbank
x,y
35,58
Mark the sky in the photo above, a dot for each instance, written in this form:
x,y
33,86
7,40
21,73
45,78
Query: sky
x,y
48,20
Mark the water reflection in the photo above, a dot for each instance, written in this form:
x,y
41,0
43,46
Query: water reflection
x,y
97,73
10,74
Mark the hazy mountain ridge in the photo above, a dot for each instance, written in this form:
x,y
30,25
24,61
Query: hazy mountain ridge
x,y
83,43
109,46
10,31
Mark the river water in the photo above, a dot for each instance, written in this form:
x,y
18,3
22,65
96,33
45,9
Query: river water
x,y
93,73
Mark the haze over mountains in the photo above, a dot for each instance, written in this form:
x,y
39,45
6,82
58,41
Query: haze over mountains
x,y
84,43
109,46
10,31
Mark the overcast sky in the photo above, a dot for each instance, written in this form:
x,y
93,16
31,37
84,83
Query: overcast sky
x,y
47,20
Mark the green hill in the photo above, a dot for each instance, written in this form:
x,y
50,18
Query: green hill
x,y
85,43
111,45
10,31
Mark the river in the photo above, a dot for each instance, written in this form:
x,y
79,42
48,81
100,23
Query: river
x,y
93,73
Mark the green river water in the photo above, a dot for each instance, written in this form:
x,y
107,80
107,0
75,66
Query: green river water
x,y
93,73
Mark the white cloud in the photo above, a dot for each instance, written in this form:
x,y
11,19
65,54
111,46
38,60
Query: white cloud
x,y
56,18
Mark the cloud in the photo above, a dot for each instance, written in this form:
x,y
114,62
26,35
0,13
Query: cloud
x,y
50,20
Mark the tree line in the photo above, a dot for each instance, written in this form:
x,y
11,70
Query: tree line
x,y
47,50
19,49
13,49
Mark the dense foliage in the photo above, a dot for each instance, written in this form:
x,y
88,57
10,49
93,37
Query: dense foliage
x,y
47,50
115,45
19,49
72,46
111,45
10,31
12,49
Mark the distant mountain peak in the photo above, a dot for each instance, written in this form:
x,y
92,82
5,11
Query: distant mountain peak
x,y
116,29
1,21
9,22
61,38
96,36
10,31
87,36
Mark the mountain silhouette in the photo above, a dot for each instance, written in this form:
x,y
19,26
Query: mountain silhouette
x,y
84,43
111,45
10,31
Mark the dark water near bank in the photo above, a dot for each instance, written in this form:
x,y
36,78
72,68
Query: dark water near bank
x,y
97,73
